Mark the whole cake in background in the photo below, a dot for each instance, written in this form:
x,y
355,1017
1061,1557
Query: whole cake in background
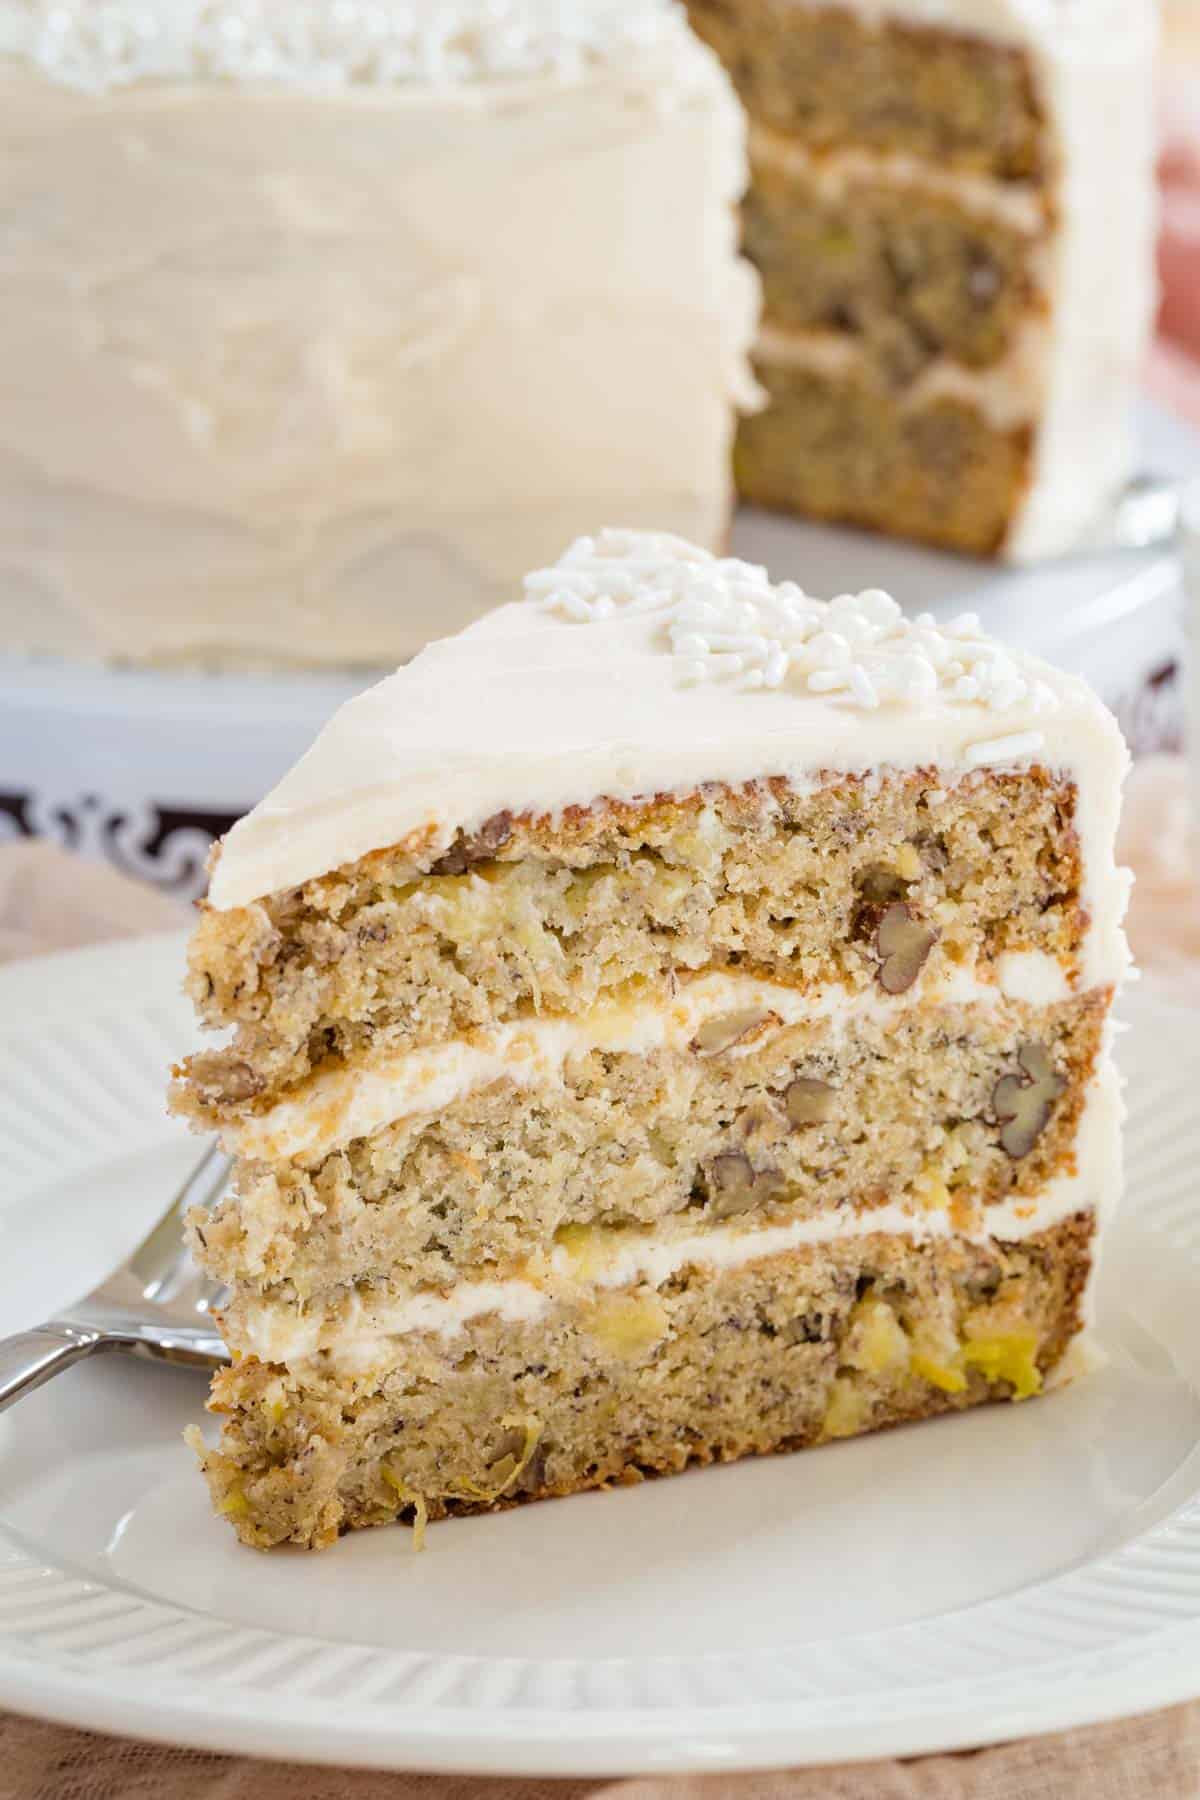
x,y
952,209
669,1024
321,322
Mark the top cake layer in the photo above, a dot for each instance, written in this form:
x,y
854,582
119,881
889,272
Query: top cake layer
x,y
326,44
640,665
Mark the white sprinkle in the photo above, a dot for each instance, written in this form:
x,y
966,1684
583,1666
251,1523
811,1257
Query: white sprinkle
x,y
862,687
829,648
915,679
320,45
574,605
723,620
1007,694
877,606
1003,749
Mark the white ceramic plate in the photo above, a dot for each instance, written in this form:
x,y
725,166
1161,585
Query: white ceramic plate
x,y
1012,1571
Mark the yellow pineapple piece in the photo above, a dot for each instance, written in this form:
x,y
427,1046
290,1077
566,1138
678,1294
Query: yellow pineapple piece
x,y
876,1340
937,1357
670,888
275,1401
942,1375
587,1248
1009,1356
847,1410
410,1497
907,863
930,1191
628,1325
468,909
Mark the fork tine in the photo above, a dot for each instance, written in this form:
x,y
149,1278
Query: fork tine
x,y
198,1293
162,1253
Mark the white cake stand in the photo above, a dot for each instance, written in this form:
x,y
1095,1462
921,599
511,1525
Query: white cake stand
x,y
145,767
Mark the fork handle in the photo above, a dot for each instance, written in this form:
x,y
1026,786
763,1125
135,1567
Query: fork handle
x,y
32,1357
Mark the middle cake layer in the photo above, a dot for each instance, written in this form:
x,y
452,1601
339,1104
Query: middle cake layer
x,y
737,1100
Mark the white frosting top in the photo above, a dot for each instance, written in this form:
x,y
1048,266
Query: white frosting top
x,y
325,44
642,665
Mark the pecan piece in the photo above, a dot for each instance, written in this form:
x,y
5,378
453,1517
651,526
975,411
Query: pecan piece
x,y
717,1035
1023,1103
464,851
735,1186
808,1101
902,943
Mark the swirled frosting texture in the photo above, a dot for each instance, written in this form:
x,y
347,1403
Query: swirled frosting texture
x,y
312,374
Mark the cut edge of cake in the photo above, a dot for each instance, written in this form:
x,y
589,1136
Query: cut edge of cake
x,y
709,1059
953,208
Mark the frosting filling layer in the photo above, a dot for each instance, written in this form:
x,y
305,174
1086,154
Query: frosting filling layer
x,y
362,1327
1008,393
345,1103
835,174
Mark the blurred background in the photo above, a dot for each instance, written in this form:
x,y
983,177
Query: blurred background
x,y
143,766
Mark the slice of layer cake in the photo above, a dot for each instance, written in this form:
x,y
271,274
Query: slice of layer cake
x,y
669,1024
952,210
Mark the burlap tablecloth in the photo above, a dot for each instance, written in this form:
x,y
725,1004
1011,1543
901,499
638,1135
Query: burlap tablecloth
x,y
48,899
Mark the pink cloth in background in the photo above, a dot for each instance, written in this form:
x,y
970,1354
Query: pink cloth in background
x,y
1158,842
1173,375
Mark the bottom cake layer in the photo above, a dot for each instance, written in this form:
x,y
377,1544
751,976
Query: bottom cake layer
x,y
796,1349
846,446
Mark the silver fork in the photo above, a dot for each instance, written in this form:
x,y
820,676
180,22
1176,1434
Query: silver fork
x,y
157,1304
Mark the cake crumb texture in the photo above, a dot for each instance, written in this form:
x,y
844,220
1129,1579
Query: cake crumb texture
x,y
782,1354
542,915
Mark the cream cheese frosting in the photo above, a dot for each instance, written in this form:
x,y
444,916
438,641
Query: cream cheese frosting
x,y
1009,392
641,665
308,360
836,174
